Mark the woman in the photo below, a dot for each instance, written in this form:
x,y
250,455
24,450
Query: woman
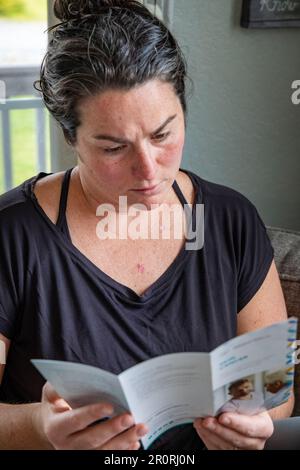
x,y
114,79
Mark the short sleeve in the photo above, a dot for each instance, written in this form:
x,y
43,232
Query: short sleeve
x,y
8,303
6,326
255,254
11,279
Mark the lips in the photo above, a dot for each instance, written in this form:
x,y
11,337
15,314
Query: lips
x,y
147,189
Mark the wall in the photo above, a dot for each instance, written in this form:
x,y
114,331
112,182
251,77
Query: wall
x,y
62,155
243,130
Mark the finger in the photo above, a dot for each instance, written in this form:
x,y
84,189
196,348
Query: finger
x,y
97,435
135,446
126,439
49,392
102,434
50,395
258,426
211,440
75,420
230,438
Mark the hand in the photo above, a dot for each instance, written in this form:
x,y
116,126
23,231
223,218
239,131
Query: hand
x,y
67,428
233,431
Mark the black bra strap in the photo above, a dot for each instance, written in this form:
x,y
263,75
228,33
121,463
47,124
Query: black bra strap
x,y
63,199
188,210
179,193
62,222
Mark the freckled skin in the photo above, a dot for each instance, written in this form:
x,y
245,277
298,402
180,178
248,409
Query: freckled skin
x,y
144,162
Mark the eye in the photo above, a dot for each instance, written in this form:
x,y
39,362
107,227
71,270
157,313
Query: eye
x,y
113,150
161,136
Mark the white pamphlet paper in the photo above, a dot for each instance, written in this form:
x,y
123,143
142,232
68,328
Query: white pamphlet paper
x,y
248,374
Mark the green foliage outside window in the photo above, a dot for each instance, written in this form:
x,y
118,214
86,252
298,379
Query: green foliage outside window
x,y
23,9
23,122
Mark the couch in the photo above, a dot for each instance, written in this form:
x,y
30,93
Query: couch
x,y
286,244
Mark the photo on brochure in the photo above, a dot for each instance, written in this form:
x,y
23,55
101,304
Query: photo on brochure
x,y
257,392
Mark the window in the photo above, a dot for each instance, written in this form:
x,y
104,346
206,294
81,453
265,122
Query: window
x,y
24,122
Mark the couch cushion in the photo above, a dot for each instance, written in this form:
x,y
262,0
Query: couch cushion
x,y
286,244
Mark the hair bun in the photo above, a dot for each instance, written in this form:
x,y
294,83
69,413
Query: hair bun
x,y
73,9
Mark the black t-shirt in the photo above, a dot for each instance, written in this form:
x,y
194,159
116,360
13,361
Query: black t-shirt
x,y
56,304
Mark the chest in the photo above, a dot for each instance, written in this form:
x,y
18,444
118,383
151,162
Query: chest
x,y
136,264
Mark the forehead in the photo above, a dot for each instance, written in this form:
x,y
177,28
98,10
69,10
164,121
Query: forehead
x,y
151,100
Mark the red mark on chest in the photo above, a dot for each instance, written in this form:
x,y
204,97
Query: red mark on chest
x,y
140,268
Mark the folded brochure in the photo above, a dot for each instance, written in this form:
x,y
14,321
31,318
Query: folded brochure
x,y
247,374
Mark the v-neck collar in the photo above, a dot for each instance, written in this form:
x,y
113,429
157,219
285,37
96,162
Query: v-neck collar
x,y
125,291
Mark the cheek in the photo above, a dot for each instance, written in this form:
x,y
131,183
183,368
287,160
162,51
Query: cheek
x,y
110,171
103,171
172,153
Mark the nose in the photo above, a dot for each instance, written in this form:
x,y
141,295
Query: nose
x,y
144,165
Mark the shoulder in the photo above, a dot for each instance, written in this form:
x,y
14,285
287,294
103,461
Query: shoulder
x,y
15,204
214,192
47,192
12,198
223,201
232,218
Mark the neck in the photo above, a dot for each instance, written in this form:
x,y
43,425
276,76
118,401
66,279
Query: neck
x,y
91,201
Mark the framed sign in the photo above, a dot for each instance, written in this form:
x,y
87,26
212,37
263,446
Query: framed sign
x,y
270,14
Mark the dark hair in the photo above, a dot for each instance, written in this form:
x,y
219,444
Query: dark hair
x,y
105,44
237,383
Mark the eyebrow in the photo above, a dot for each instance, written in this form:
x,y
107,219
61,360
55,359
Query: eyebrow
x,y
125,141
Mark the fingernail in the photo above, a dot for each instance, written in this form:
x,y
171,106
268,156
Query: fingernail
x,y
141,432
210,426
135,446
226,421
127,421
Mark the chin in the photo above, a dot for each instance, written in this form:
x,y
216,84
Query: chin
x,y
148,203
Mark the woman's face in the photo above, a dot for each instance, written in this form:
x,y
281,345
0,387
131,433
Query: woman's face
x,y
129,141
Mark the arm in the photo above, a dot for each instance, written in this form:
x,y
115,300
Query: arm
x,y
18,429
267,307
52,424
250,432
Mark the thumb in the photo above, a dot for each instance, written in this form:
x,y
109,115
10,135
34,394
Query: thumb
x,y
50,395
